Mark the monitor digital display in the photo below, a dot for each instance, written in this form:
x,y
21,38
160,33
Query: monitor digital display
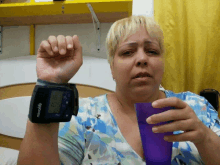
x,y
55,101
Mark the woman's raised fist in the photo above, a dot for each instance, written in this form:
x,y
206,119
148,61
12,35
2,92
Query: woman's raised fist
x,y
59,58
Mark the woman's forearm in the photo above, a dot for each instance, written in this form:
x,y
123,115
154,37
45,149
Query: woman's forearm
x,y
210,149
40,145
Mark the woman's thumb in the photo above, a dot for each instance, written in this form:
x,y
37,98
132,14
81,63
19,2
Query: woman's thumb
x,y
77,50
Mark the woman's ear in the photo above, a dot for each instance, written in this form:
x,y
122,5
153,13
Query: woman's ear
x,y
112,70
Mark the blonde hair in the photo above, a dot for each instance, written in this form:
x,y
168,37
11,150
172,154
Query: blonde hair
x,y
123,28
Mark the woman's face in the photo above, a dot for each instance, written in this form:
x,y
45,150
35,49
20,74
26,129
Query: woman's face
x,y
139,53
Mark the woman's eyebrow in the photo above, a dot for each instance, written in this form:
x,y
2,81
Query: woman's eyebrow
x,y
146,42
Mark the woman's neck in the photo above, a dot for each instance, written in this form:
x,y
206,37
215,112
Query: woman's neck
x,y
127,102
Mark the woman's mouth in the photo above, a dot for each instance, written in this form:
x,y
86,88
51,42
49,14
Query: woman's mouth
x,y
142,78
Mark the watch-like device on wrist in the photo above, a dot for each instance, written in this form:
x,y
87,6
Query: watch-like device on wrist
x,y
52,102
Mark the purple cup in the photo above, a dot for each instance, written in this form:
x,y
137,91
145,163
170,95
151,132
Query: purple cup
x,y
157,151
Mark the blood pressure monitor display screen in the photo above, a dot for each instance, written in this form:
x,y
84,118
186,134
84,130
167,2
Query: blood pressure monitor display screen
x,y
55,101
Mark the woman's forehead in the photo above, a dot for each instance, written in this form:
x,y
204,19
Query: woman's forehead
x,y
140,36
144,41
135,43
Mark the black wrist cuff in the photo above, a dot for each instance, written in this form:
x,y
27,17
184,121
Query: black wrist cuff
x,y
47,83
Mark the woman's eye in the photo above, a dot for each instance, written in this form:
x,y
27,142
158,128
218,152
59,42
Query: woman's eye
x,y
127,53
153,52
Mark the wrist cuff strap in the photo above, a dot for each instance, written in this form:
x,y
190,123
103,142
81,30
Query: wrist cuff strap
x,y
47,83
43,83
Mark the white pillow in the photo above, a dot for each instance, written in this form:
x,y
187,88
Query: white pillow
x,y
8,156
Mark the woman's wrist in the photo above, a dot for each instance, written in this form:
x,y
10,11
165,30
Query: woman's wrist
x,y
46,82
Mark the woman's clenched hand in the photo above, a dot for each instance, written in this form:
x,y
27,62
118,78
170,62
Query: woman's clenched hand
x,y
59,58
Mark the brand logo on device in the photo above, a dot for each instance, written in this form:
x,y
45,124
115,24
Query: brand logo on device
x,y
39,109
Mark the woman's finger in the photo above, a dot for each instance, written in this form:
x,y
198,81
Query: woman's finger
x,y
78,51
54,43
45,47
170,115
193,136
183,125
169,102
69,42
62,44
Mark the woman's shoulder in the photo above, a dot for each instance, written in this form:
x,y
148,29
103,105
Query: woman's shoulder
x,y
192,99
88,111
186,95
91,106
101,99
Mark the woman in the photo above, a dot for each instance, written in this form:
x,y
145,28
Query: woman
x,y
105,130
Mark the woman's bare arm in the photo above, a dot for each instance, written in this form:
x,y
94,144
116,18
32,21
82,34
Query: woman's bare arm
x,y
40,145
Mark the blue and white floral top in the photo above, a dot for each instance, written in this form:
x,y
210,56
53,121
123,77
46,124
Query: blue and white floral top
x,y
94,138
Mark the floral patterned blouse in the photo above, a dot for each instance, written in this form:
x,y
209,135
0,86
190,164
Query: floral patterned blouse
x,y
94,138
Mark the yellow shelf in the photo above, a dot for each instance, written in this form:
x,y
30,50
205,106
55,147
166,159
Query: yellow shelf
x,y
63,11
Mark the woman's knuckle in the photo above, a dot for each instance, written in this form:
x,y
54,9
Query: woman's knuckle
x,y
190,113
181,125
69,37
51,37
54,43
80,48
44,44
193,138
191,123
200,133
198,122
47,45
60,37
174,116
176,100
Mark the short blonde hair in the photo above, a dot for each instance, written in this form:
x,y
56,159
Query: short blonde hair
x,y
123,28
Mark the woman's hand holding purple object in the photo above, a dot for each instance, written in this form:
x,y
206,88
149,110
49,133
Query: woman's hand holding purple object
x,y
184,119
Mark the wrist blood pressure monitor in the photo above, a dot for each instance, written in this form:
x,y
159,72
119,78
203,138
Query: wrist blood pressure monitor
x,y
51,102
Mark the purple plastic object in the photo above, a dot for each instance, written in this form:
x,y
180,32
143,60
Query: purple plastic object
x,y
157,151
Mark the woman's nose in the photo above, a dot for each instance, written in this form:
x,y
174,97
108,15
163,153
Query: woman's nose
x,y
141,63
142,59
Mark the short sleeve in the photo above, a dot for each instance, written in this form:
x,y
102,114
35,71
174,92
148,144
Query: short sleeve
x,y
71,140
212,116
70,143
203,109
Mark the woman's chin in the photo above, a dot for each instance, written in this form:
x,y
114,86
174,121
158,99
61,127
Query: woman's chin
x,y
143,91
